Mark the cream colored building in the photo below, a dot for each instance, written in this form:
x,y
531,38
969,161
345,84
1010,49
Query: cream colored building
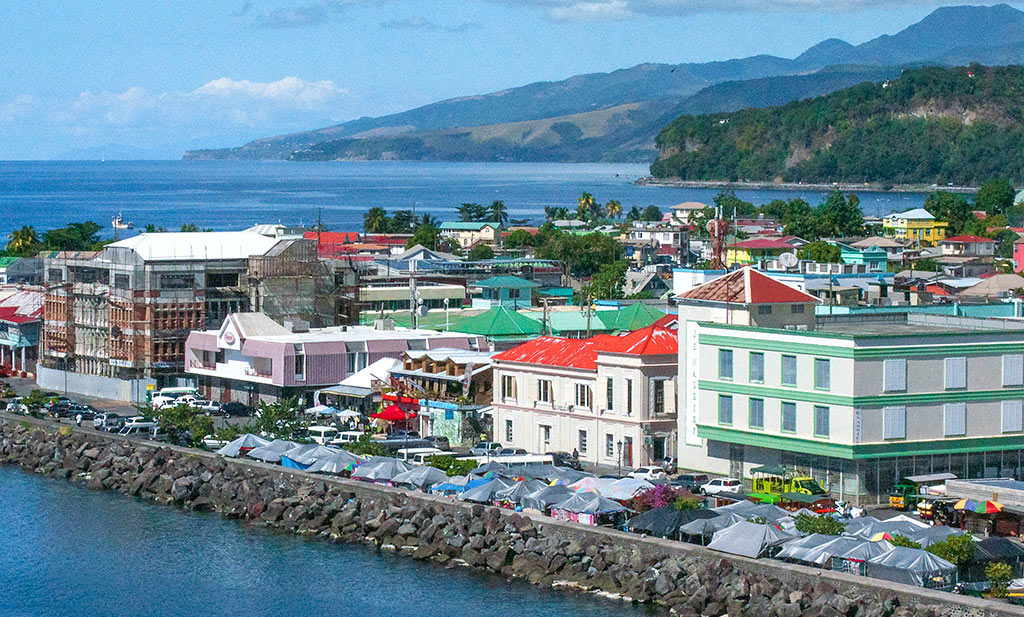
x,y
469,234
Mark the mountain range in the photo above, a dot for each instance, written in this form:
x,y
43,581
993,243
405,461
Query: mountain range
x,y
615,116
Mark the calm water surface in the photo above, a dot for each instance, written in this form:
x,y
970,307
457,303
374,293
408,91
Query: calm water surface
x,y
235,194
68,551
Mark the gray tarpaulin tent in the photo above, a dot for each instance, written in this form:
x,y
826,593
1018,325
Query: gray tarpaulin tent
x,y
336,462
904,528
380,468
519,490
544,498
859,523
588,503
271,453
708,526
912,566
748,539
847,547
307,456
245,442
767,511
491,467
930,535
796,547
626,488
421,477
665,522
740,507
546,472
485,492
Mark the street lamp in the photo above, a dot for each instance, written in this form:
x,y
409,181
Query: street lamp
x,y
619,444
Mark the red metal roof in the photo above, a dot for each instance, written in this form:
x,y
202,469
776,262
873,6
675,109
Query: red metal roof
x,y
22,306
582,353
747,286
333,237
761,243
968,239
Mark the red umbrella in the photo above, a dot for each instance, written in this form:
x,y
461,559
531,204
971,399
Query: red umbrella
x,y
393,413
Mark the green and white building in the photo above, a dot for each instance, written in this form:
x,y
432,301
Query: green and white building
x,y
855,401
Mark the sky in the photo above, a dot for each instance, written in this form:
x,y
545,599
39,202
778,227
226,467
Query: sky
x,y
155,77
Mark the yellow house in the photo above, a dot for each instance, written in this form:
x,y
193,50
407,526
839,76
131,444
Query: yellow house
x,y
917,226
756,249
468,234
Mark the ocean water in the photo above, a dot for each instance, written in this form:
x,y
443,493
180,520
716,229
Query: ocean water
x,y
225,195
68,551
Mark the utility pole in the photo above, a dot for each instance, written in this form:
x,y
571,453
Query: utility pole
x,y
590,306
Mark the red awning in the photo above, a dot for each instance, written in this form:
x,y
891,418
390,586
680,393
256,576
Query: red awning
x,y
392,413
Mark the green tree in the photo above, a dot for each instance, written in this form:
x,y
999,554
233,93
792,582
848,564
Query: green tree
x,y
840,216
150,228
957,550
189,227
651,213
498,212
366,445
402,222
586,207
732,205
480,251
375,220
452,466
607,282
22,242
184,424
950,207
634,214
999,576
583,254
821,523
74,237
995,196
904,541
1004,242
518,238
613,208
426,235
821,252
471,212
432,221
278,419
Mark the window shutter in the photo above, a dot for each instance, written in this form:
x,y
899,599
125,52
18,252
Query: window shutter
x,y
956,373
894,423
956,419
1013,416
895,375
1013,370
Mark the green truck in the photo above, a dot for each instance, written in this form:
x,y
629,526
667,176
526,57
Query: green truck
x,y
772,482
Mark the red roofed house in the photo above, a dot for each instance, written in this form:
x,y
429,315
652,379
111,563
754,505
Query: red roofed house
x,y
21,317
968,246
612,399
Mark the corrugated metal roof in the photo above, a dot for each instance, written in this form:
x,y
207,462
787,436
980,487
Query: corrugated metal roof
x,y
197,245
575,353
747,286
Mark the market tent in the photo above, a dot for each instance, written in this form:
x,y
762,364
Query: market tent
x,y
380,468
585,503
904,528
271,453
547,496
708,526
796,547
767,511
244,443
866,550
590,484
625,488
322,410
550,473
484,493
459,484
491,467
857,524
997,548
348,413
740,507
336,462
912,566
840,545
747,539
665,522
421,477
930,535
519,490
393,413
303,456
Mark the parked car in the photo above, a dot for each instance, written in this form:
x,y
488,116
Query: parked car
x,y
16,406
404,435
322,435
690,481
108,421
669,465
346,437
721,485
186,399
485,448
650,473
416,456
565,459
78,409
511,452
234,408
210,407
143,430
440,442
211,443
58,401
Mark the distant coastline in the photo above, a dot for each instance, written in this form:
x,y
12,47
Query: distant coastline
x,y
860,187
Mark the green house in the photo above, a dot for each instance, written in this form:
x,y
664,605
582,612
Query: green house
x,y
874,257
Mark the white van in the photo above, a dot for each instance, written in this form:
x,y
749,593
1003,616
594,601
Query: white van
x,y
345,437
143,430
322,435
417,456
170,396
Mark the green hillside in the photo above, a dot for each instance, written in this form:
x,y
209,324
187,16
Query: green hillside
x,y
931,125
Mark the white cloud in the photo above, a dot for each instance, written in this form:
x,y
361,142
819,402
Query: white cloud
x,y
287,91
591,11
418,22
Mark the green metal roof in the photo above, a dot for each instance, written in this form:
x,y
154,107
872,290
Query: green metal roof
x,y
633,317
6,261
504,282
464,226
498,321
570,321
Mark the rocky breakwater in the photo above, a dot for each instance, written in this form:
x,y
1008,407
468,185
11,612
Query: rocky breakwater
x,y
687,580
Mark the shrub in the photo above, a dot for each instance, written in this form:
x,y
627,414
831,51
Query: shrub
x,y
957,550
451,465
658,497
822,524
367,446
999,576
687,503
901,540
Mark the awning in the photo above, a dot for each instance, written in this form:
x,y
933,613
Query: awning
x,y
341,390
932,477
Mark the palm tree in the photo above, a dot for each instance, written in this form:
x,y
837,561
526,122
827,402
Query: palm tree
x,y
469,213
613,208
375,220
499,213
586,205
560,213
430,221
22,241
549,213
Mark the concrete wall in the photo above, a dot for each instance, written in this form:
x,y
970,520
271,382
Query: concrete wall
x,y
94,385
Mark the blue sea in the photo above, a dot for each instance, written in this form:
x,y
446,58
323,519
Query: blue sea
x,y
225,195
68,551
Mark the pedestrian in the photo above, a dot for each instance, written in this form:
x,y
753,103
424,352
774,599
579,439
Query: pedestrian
x,y
78,419
575,454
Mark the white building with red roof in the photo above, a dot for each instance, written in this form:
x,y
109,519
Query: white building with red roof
x,y
611,399
968,246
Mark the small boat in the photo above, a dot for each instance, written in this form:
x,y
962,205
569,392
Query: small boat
x,y
119,223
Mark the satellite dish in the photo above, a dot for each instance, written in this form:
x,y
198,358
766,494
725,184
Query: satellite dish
x,y
788,260
422,310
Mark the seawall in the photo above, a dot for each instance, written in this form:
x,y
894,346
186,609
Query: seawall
x,y
688,579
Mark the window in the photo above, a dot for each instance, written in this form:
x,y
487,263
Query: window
x,y
629,397
609,445
659,395
724,409
764,309
1013,418
756,367
756,418
508,430
894,423
221,279
796,309
789,370
300,361
895,375
822,374
955,419
788,417
545,436
1013,370
544,393
583,395
122,281
508,387
956,373
55,275
610,393
177,281
582,441
725,364
820,421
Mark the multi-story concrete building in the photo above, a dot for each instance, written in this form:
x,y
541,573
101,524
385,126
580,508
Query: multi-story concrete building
x,y
251,358
609,398
858,402
916,226
123,313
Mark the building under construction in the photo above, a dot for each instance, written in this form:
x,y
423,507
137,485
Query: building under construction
x,y
124,312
